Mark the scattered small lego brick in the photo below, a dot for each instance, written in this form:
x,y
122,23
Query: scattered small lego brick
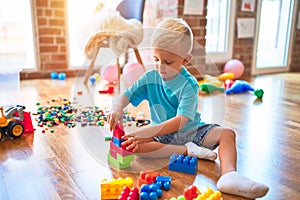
x,y
185,164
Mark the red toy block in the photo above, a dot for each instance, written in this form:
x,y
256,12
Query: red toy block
x,y
119,150
191,192
147,177
123,146
118,132
127,194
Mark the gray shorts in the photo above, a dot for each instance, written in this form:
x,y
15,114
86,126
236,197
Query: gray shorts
x,y
196,135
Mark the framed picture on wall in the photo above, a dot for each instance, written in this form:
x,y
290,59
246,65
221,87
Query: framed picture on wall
x,y
248,5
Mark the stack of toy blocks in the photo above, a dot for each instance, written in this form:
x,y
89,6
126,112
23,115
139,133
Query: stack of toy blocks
x,y
185,164
111,189
117,154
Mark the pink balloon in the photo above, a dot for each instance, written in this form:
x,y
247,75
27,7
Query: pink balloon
x,y
110,73
132,71
234,66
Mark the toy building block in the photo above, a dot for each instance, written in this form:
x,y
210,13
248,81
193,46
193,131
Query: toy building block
x,y
150,191
128,194
191,192
116,163
209,194
112,189
147,177
118,132
123,146
117,141
119,150
185,164
163,182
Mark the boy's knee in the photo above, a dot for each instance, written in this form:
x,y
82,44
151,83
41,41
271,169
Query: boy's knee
x,y
228,132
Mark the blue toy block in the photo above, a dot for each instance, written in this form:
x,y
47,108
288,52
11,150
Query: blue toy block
x,y
163,182
185,164
150,192
117,141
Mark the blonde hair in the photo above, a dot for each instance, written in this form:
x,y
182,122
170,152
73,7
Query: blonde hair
x,y
173,34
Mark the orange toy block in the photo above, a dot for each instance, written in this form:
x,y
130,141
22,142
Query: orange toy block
x,y
147,177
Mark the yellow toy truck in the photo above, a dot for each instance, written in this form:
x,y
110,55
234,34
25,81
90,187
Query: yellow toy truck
x,y
10,124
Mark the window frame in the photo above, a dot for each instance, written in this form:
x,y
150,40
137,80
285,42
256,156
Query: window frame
x,y
220,57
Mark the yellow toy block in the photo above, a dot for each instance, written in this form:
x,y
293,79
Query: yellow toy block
x,y
111,189
209,194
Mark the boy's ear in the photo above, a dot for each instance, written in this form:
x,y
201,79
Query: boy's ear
x,y
187,59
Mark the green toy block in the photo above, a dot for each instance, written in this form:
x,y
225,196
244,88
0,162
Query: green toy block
x,y
116,163
125,159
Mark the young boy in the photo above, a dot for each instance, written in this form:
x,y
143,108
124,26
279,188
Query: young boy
x,y
172,93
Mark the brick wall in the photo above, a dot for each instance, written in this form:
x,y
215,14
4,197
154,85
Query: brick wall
x,y
243,47
295,64
51,34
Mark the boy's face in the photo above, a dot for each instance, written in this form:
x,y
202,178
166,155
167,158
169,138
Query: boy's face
x,y
168,64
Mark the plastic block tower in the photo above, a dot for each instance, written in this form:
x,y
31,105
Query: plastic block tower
x,y
117,154
111,189
185,164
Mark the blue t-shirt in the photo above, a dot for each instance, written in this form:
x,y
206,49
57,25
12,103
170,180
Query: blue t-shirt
x,y
167,99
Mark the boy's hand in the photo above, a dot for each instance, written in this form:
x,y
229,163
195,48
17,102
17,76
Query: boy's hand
x,y
133,141
113,118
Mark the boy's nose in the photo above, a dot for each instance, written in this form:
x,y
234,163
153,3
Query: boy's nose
x,y
162,67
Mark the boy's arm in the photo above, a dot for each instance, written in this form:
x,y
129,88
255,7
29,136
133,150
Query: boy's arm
x,y
117,111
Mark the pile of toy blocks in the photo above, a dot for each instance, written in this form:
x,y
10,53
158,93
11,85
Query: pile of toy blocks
x,y
117,154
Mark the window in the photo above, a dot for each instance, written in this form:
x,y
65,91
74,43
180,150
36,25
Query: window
x,y
16,35
80,31
219,29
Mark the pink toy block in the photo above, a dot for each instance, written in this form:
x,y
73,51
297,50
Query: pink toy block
x,y
113,153
119,150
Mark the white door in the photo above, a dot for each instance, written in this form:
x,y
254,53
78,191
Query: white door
x,y
273,32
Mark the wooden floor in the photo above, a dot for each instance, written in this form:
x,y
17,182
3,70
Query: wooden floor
x,y
71,162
